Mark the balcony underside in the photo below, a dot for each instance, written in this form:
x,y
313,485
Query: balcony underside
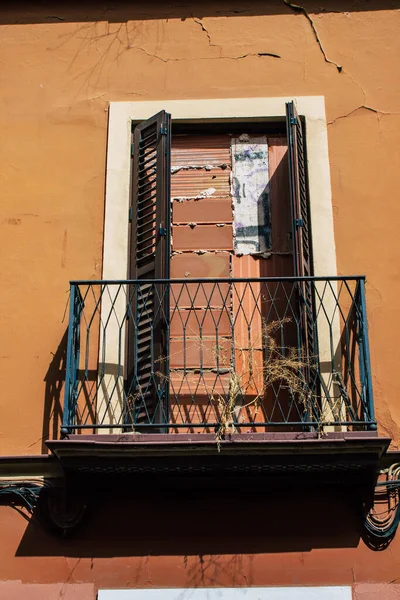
x,y
354,457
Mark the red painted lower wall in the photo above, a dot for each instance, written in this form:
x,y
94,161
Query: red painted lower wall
x,y
187,538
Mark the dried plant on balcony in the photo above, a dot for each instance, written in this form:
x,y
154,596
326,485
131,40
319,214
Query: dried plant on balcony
x,y
285,366
130,405
279,365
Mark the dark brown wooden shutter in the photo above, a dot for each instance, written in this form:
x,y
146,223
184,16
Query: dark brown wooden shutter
x,y
302,254
298,193
149,259
150,247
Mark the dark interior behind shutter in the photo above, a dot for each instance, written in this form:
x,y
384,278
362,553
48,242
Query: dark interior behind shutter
x,y
302,252
149,259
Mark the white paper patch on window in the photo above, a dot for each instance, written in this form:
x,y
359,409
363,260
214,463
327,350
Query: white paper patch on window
x,y
250,195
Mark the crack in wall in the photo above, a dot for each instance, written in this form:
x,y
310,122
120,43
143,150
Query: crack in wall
x,y
364,94
204,28
272,54
300,9
358,85
70,576
362,107
167,60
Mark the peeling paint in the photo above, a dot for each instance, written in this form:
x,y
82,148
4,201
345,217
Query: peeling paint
x,y
178,168
204,194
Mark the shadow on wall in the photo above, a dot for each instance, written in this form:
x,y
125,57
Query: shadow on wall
x,y
54,394
138,517
24,11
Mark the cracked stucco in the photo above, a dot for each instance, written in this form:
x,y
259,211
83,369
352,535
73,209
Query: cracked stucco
x,y
204,28
58,77
222,57
57,81
302,10
362,107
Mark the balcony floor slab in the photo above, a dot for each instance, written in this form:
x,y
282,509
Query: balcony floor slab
x,y
350,457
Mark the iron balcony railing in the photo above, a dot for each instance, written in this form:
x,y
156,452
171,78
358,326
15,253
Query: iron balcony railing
x,y
218,355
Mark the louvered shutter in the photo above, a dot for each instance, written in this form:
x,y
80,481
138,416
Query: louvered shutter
x,y
150,248
298,193
149,259
302,252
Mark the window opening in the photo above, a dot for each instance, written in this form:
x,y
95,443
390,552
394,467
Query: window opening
x,y
232,216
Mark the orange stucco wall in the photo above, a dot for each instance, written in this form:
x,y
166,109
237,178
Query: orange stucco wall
x,y
60,69
60,66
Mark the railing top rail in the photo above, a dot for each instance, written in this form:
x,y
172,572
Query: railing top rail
x,y
216,280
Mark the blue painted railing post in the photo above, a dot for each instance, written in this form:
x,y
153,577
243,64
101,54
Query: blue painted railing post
x,y
70,367
364,346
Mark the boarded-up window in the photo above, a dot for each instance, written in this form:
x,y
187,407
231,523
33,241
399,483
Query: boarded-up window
x,y
224,189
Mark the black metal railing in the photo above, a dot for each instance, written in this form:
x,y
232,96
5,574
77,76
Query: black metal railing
x,y
218,355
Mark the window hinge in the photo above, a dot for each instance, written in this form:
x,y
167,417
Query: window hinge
x,y
132,150
293,120
130,214
299,222
162,231
163,129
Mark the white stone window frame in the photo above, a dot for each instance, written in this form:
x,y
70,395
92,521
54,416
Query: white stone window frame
x,y
117,201
118,176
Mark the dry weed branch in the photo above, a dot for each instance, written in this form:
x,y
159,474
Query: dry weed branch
x,y
285,366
